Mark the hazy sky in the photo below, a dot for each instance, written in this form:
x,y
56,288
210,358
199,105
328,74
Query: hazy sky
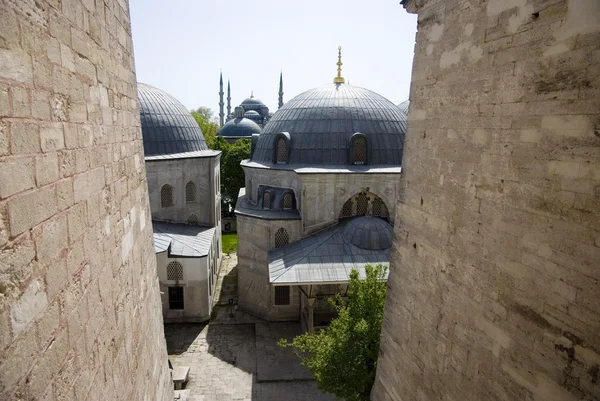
x,y
181,45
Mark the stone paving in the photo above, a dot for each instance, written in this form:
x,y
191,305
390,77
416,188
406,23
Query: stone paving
x,y
236,357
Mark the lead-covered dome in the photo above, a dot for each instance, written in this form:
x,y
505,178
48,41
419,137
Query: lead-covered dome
x,y
167,126
239,127
370,233
321,123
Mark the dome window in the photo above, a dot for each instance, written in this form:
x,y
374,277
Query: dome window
x,y
190,192
166,196
174,271
287,201
347,209
282,238
358,149
267,200
361,204
281,148
281,151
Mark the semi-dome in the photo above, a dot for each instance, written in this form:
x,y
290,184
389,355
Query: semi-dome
x,y
251,113
239,127
322,122
370,233
167,126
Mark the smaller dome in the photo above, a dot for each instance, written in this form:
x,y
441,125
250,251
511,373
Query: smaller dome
x,y
368,232
252,101
404,106
251,113
239,127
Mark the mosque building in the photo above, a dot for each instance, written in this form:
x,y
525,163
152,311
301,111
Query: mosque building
x,y
184,190
248,118
319,200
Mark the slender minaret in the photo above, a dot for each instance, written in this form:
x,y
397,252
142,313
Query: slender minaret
x,y
280,89
228,99
339,79
221,114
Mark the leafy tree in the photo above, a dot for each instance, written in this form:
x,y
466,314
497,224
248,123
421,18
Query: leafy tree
x,y
232,174
343,356
209,127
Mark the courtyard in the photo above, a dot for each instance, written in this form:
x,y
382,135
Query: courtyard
x,y
236,357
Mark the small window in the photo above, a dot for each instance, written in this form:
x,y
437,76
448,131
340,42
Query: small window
x,y
347,209
193,219
282,151
176,298
377,207
282,238
190,192
361,204
166,196
359,150
287,200
267,200
174,271
282,295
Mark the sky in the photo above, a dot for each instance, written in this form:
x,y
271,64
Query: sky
x,y
180,46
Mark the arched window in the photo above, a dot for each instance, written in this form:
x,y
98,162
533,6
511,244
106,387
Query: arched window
x,y
282,238
267,200
359,150
166,196
190,192
361,204
287,200
193,219
282,151
347,209
174,271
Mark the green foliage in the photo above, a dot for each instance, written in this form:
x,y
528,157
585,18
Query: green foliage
x,y
343,356
230,242
232,175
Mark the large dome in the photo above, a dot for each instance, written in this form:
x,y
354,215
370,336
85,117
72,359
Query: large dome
x,y
322,121
167,126
239,127
252,101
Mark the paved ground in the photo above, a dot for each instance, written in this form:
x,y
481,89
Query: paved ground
x,y
235,357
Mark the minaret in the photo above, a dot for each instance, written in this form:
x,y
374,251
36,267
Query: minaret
x,y
228,99
280,89
221,114
339,79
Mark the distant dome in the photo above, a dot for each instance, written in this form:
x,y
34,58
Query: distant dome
x,y
167,126
404,106
239,127
370,233
252,101
251,113
321,122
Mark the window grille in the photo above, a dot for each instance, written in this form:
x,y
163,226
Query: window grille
x,y
166,196
347,209
282,238
361,204
282,295
174,271
193,219
267,200
360,150
249,189
175,297
190,192
282,151
287,200
377,207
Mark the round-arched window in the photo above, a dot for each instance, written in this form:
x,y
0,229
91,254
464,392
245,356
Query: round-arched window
x,y
282,151
282,238
166,196
190,192
174,271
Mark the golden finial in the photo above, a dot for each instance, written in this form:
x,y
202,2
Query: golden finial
x,y
339,79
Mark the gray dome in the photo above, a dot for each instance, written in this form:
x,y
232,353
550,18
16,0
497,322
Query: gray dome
x,y
239,127
321,122
370,233
252,113
167,126
252,101
404,106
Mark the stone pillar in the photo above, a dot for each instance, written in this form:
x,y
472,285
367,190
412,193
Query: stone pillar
x,y
310,304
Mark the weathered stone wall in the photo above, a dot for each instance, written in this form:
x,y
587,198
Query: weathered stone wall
x,y
80,313
494,291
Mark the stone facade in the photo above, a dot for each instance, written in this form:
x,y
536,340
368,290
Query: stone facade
x,y
80,308
493,292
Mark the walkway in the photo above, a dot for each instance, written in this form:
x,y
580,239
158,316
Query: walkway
x,y
236,357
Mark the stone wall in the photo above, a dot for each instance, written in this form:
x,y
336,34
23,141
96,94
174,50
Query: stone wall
x,y
80,313
494,293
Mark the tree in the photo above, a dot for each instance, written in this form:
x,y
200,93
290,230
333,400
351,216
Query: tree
x,y
232,174
209,127
343,356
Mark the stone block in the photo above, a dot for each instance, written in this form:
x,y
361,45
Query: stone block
x,y
51,238
30,209
25,138
77,221
16,65
52,137
87,184
21,104
16,175
46,169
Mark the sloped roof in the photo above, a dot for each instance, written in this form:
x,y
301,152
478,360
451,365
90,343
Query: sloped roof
x,y
326,257
183,239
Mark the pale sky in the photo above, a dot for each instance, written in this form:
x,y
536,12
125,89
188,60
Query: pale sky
x,y
181,45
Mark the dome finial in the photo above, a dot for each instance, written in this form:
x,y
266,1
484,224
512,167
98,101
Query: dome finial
x,y
339,79
252,94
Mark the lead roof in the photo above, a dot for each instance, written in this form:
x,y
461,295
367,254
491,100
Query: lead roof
x,y
182,239
167,126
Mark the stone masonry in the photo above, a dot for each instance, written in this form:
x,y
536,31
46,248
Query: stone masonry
x,y
80,314
494,291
